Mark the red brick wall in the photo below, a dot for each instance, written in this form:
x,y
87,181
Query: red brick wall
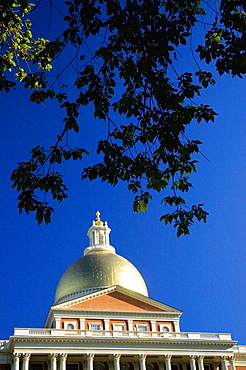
x,y
135,322
164,323
87,321
116,301
123,322
72,319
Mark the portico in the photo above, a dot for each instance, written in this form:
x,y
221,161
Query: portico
x,y
142,361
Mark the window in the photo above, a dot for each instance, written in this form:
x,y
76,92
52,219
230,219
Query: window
x,y
36,366
118,327
141,327
101,239
72,366
98,366
124,366
94,326
149,366
69,325
165,328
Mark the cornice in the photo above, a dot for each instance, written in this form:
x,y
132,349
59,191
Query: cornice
x,y
142,341
111,313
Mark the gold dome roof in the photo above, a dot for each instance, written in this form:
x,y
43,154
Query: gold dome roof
x,y
99,268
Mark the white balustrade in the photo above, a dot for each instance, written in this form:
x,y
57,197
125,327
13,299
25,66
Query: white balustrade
x,y
126,333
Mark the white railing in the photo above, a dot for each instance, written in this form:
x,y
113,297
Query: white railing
x,y
240,349
113,333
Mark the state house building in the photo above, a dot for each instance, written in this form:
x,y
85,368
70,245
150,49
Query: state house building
x,y
103,319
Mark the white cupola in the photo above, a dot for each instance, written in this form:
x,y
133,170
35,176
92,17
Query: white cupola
x,y
98,235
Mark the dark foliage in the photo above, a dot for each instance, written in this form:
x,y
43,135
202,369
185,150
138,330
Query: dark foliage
x,y
128,75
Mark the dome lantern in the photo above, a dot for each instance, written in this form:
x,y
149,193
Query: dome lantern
x,y
98,235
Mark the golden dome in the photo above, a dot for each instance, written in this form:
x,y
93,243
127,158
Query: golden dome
x,y
99,268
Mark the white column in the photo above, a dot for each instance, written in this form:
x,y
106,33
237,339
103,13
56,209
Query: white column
x,y
16,363
176,326
153,325
90,357
106,324
58,323
200,362
224,363
232,364
53,357
168,362
142,363
117,361
63,359
130,327
82,324
26,358
192,362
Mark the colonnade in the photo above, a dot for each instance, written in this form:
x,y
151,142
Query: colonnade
x,y
139,362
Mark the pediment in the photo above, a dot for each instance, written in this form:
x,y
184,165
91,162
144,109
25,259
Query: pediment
x,y
116,299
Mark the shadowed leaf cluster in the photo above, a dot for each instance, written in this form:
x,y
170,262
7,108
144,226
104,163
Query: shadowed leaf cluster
x,y
131,76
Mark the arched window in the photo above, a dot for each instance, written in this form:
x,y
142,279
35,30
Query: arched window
x,y
70,326
124,366
98,366
165,328
149,366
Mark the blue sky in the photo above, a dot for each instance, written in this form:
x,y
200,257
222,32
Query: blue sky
x,y
202,274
